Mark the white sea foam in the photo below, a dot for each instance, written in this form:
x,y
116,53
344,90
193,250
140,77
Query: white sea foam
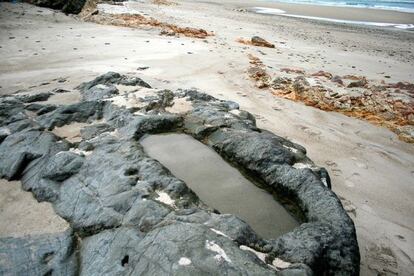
x,y
263,10
268,10
401,6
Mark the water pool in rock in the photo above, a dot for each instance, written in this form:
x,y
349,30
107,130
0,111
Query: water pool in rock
x,y
218,184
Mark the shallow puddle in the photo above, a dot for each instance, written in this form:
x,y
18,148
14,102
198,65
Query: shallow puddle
x,y
218,184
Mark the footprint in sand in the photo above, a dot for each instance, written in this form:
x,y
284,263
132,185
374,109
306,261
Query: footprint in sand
x,y
348,206
381,259
349,184
260,118
400,237
333,167
311,133
360,145
359,164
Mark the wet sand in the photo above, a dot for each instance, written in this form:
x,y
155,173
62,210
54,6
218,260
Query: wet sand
x,y
218,184
342,13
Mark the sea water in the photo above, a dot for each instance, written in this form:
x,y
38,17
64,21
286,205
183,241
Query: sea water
x,y
402,6
398,5
218,184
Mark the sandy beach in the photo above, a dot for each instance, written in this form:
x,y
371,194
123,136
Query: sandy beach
x,y
372,170
342,13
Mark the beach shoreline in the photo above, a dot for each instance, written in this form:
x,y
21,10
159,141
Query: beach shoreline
x,y
333,12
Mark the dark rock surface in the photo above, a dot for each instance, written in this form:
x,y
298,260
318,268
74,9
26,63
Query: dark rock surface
x,y
67,6
258,41
47,254
35,97
130,215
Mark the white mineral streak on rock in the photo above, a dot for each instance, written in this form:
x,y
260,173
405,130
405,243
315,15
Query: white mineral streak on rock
x,y
165,198
78,151
221,255
219,233
262,256
184,261
5,130
324,181
114,133
291,149
303,166
277,263
235,112
280,264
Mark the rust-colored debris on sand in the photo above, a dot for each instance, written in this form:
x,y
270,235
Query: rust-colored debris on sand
x,y
385,104
256,41
257,72
92,14
164,2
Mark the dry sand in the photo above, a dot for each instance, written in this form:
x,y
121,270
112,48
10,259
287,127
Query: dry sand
x,y
22,215
371,169
71,132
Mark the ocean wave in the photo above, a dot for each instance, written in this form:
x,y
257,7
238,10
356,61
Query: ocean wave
x,y
263,10
401,6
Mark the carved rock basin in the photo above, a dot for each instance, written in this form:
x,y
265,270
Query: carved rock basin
x,y
218,184
130,215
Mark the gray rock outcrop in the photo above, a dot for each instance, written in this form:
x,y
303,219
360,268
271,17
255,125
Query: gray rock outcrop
x,y
67,6
130,215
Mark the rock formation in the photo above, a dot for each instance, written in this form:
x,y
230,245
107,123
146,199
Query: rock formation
x,y
67,6
130,215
